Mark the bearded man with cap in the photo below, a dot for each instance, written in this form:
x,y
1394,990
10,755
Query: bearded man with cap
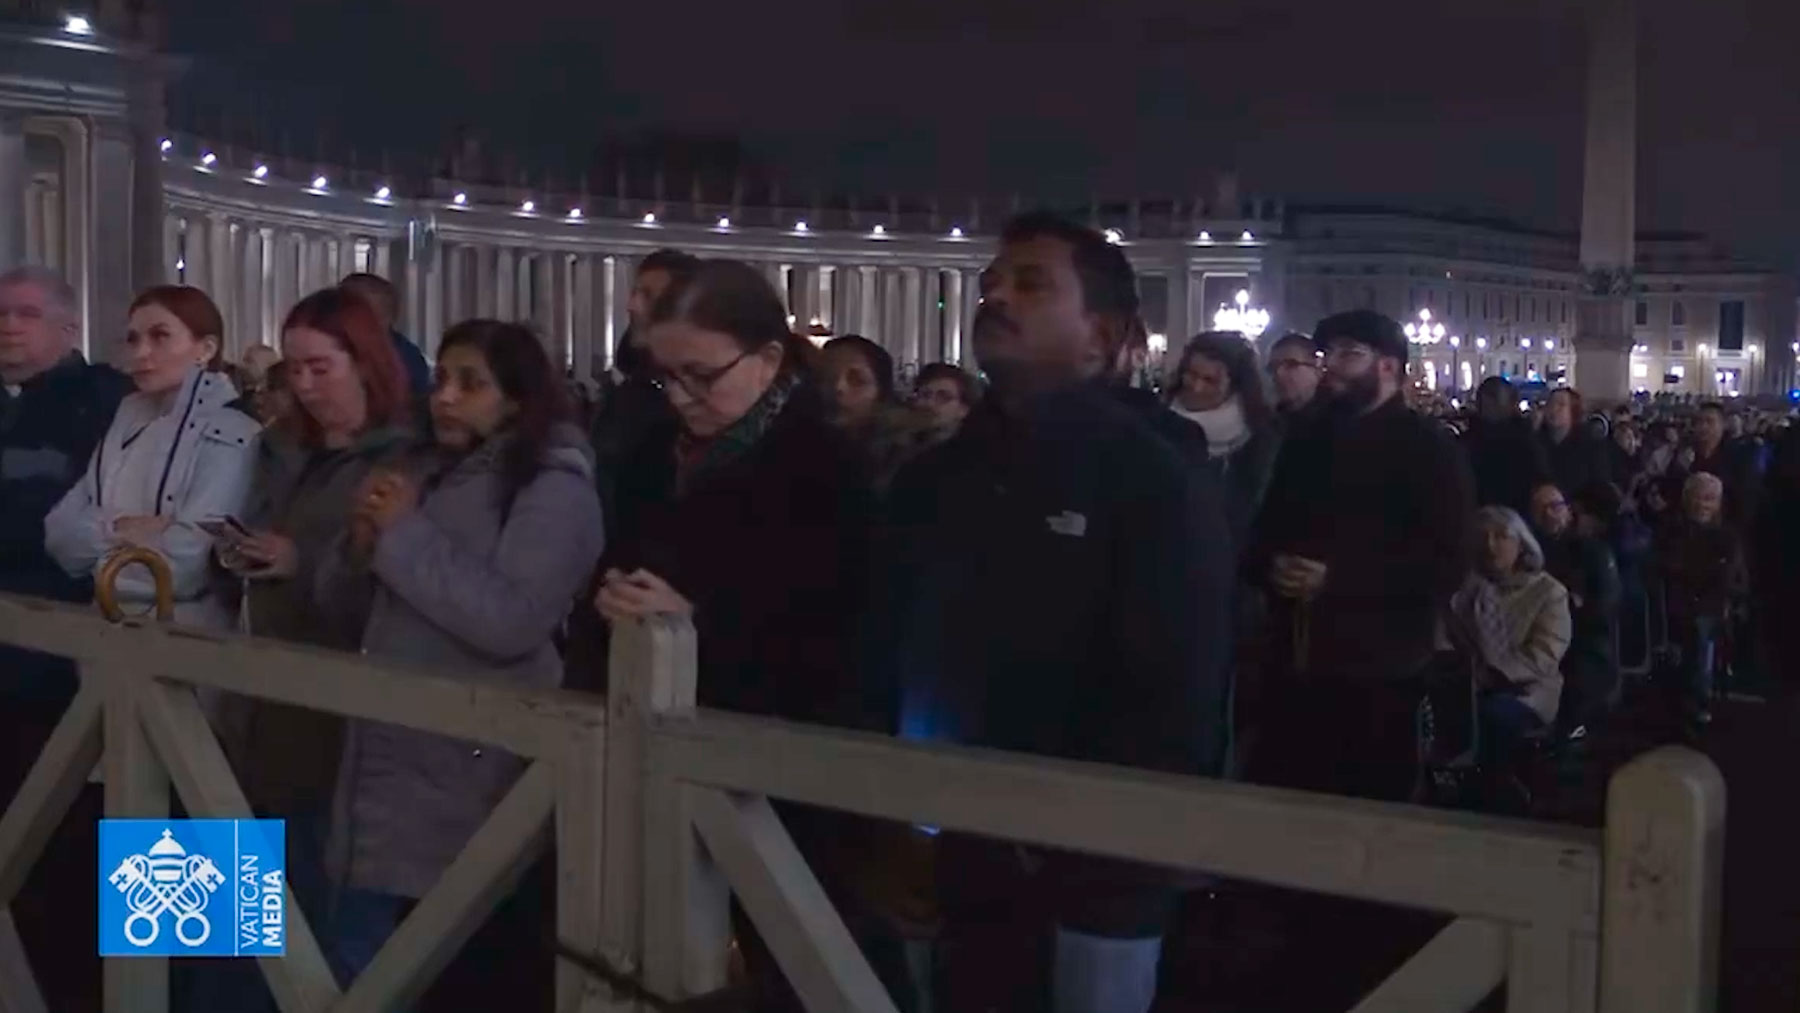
x,y
1362,538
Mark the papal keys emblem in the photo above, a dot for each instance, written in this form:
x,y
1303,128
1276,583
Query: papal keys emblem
x,y
168,880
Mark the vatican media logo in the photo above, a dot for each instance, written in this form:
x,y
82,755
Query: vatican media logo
x,y
165,883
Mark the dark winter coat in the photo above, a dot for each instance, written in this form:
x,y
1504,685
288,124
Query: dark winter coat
x,y
288,755
1577,461
1734,464
1385,501
1508,462
1588,569
1058,584
48,432
771,548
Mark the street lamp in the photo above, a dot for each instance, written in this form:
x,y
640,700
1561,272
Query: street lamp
x,y
1426,333
1247,320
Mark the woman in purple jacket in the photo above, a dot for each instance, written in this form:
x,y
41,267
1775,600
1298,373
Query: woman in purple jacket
x,y
475,551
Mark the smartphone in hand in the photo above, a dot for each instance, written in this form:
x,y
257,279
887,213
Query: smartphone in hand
x,y
227,529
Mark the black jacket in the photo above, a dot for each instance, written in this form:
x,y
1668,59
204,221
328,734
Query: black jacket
x,y
1578,461
1508,463
1061,584
632,412
1058,584
48,432
1590,668
1734,464
1384,500
772,549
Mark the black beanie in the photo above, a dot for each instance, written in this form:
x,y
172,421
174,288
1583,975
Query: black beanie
x,y
1365,327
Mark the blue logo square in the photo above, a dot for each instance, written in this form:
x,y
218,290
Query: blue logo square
x,y
193,888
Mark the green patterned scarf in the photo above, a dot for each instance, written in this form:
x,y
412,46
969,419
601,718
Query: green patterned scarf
x,y
696,459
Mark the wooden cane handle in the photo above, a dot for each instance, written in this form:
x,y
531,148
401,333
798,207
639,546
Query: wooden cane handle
x,y
106,590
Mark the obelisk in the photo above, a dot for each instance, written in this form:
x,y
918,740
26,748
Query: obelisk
x,y
1603,337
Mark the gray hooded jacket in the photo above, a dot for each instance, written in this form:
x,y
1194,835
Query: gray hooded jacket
x,y
464,585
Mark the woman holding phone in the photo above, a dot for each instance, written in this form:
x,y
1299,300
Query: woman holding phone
x,y
351,415
176,457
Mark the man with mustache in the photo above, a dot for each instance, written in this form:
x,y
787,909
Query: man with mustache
x,y
1363,536
1057,581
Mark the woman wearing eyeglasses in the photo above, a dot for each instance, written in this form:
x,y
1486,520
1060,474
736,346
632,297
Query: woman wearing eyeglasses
x,y
748,513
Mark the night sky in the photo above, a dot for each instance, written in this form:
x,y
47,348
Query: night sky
x,y
1478,108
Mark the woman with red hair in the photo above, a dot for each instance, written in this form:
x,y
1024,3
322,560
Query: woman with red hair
x,y
351,416
176,456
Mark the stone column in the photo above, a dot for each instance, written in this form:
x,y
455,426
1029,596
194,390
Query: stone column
x,y
970,306
550,301
437,270
486,302
110,242
620,271
931,316
13,184
145,109
878,323
778,280
583,316
40,221
505,282
953,316
270,308
171,247
846,299
221,282
287,250
893,311
805,306
1179,326
381,258
912,318
1609,204
246,329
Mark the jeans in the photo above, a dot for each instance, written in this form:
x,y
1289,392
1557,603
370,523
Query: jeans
x,y
360,923
1093,974
207,985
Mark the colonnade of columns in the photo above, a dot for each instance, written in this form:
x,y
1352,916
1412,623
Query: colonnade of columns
x,y
575,297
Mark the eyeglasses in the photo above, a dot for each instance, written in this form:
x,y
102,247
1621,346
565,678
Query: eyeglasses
x,y
696,383
1280,366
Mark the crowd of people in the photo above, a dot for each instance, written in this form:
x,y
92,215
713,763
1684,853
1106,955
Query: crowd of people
x,y
1267,571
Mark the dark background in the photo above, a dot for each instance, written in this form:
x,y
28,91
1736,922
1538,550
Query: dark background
x,y
1474,105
